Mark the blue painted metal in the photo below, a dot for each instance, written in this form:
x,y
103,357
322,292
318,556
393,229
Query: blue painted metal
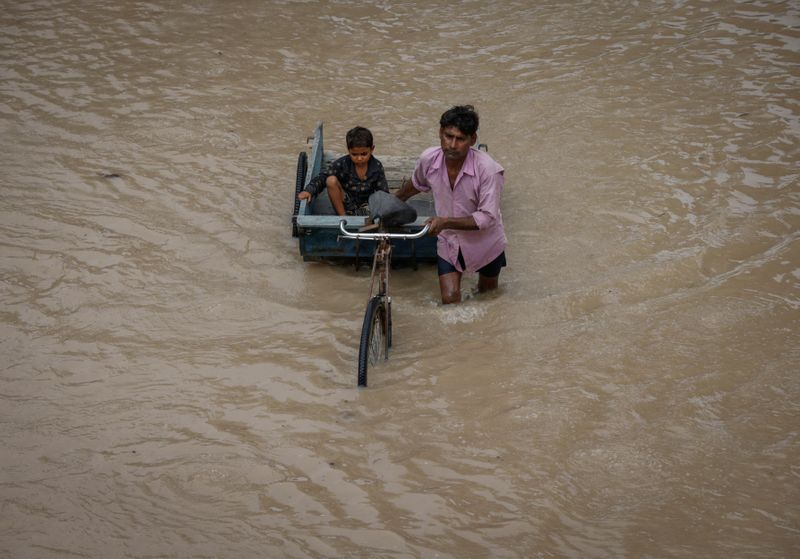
x,y
315,161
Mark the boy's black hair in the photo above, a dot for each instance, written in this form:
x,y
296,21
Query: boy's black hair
x,y
463,117
359,137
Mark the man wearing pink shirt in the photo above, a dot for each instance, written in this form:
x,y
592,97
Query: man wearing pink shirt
x,y
466,185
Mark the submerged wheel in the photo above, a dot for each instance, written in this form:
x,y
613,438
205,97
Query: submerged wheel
x,y
389,323
302,169
374,338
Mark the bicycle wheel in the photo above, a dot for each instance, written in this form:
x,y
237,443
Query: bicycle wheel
x,y
302,169
389,324
373,347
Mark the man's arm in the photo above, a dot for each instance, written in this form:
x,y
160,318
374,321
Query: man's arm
x,y
438,223
406,190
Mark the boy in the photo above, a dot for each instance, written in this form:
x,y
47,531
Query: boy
x,y
351,178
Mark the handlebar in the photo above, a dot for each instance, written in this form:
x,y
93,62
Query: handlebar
x,y
382,235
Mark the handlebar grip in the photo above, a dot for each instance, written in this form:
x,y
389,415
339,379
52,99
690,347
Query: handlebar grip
x,y
382,235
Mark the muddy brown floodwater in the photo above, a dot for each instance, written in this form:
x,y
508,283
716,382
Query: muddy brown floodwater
x,y
176,382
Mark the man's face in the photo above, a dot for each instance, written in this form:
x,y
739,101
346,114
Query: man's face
x,y
456,144
360,156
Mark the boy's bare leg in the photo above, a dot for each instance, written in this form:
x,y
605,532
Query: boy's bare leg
x,y
336,194
450,287
486,283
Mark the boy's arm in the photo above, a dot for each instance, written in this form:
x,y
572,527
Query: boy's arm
x,y
315,185
406,190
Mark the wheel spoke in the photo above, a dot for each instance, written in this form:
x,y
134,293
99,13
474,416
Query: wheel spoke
x,y
377,342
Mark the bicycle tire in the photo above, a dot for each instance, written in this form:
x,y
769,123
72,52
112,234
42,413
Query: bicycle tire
x,y
302,169
373,347
389,324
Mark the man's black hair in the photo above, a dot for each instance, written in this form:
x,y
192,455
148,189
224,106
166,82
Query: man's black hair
x,y
359,137
463,117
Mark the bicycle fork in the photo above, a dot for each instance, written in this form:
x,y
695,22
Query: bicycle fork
x,y
381,266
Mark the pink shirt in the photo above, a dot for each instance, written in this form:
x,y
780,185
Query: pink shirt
x,y
477,193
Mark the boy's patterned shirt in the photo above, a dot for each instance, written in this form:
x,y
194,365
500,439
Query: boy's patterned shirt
x,y
356,191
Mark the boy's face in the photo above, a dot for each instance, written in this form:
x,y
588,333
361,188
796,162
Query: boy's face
x,y
360,156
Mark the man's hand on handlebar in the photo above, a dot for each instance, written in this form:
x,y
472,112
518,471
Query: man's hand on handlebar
x,y
439,223
436,224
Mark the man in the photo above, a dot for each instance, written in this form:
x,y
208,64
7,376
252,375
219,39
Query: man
x,y
466,185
